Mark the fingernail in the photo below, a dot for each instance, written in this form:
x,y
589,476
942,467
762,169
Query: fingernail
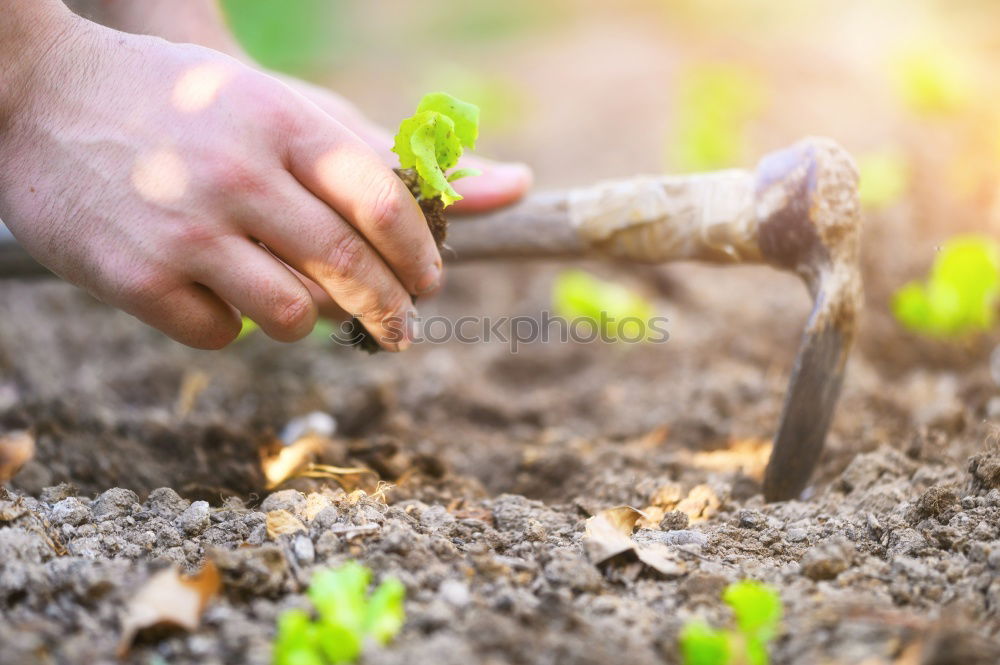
x,y
429,281
407,330
511,171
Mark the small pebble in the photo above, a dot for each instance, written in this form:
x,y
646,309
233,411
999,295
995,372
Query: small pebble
x,y
195,519
70,511
114,503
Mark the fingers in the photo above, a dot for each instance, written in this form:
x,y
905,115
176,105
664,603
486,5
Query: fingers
x,y
260,287
317,242
500,184
328,309
345,173
190,314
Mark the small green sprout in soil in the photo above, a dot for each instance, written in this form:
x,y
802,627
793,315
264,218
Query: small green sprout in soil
x,y
347,617
961,295
757,610
612,309
885,177
716,105
429,144
931,80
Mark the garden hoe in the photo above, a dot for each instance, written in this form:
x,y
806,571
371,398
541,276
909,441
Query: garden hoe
x,y
798,211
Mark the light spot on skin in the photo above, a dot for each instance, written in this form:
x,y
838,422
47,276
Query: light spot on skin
x,y
198,87
160,176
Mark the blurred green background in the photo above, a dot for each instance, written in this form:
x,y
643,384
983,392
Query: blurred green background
x,y
584,89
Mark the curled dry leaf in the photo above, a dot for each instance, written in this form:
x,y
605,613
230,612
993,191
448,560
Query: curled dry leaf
x,y
169,599
16,449
289,460
282,523
609,533
746,456
700,504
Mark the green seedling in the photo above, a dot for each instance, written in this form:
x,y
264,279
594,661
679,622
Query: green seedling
x,y
884,179
931,80
301,37
612,308
961,295
757,612
432,141
716,104
346,618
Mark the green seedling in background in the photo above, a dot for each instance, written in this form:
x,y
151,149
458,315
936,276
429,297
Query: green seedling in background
x,y
479,22
931,80
715,106
616,310
961,295
301,37
884,178
347,616
757,612
432,141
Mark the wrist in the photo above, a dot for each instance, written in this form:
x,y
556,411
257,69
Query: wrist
x,y
29,30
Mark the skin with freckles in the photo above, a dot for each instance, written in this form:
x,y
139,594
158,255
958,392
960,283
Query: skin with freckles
x,y
187,187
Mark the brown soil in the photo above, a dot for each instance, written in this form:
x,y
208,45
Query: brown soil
x,y
498,458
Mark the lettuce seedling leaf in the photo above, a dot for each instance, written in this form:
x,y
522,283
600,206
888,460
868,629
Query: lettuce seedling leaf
x,y
961,294
463,173
433,140
464,115
385,615
435,147
932,80
296,642
613,308
716,105
347,617
703,645
338,643
339,595
757,609
884,178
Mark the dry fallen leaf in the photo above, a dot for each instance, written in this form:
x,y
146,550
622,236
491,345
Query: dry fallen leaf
x,y
281,523
665,500
169,599
746,456
609,533
16,449
700,504
289,460
315,502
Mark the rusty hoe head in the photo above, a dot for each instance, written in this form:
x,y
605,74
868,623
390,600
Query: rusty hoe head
x,y
809,220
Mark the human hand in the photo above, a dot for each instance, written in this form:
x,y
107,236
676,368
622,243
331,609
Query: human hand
x,y
154,175
498,184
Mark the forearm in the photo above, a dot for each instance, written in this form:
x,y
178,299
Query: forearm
x,y
28,30
182,21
